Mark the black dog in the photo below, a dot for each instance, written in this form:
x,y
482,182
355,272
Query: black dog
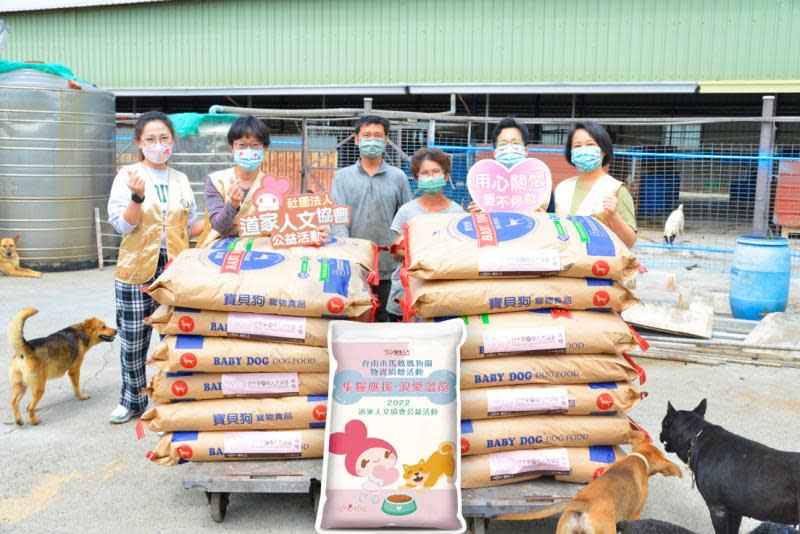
x,y
736,476
650,526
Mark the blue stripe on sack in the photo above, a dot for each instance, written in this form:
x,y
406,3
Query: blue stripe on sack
x,y
599,309
181,461
603,385
338,277
600,243
317,398
188,399
178,373
317,425
186,310
189,342
598,282
541,310
184,436
614,412
466,426
440,319
602,453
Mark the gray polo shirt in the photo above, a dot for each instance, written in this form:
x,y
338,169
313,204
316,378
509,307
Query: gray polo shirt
x,y
373,204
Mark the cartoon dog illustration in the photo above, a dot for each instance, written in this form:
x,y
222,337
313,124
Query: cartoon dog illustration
x,y
426,473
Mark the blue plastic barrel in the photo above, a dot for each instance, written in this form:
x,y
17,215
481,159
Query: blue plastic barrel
x,y
659,194
760,276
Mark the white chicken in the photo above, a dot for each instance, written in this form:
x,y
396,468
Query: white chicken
x,y
674,225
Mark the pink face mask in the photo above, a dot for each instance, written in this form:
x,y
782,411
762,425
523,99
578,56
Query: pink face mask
x,y
157,153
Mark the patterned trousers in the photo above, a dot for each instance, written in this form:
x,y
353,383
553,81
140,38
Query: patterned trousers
x,y
133,305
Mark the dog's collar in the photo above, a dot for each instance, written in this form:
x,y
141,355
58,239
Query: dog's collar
x,y
689,453
643,459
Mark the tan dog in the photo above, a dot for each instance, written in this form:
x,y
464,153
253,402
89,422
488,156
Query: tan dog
x,y
619,494
427,472
37,361
9,259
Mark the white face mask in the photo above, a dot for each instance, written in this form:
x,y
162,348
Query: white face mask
x,y
157,153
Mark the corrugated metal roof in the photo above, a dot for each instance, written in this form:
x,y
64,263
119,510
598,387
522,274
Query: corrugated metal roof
x,y
358,43
13,6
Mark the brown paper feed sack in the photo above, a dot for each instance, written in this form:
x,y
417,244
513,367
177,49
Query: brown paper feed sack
x,y
541,431
264,282
256,326
467,247
570,464
230,355
601,398
180,447
165,386
567,369
547,331
359,251
428,299
283,413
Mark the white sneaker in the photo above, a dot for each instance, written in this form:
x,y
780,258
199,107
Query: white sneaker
x,y
121,415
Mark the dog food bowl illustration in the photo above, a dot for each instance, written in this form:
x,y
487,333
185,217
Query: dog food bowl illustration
x,y
399,504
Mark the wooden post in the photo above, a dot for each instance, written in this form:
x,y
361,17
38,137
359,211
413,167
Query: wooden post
x,y
764,179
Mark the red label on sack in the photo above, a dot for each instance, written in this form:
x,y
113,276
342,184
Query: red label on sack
x,y
188,360
184,452
601,299
600,268
605,401
336,305
464,445
484,229
599,471
320,412
186,324
232,261
555,313
179,388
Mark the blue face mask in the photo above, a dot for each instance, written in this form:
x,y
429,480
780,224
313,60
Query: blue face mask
x,y
248,159
371,148
510,155
587,158
431,185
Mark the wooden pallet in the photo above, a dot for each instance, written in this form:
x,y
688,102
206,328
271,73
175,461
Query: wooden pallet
x,y
220,479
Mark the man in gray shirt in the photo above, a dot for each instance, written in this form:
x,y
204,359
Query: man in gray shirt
x,y
374,191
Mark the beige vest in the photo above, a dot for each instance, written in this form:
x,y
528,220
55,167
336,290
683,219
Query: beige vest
x,y
593,203
222,180
139,250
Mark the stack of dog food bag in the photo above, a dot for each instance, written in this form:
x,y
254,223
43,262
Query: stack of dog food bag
x,y
243,370
545,382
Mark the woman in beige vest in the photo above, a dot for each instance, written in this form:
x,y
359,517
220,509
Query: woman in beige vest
x,y
152,206
229,193
593,192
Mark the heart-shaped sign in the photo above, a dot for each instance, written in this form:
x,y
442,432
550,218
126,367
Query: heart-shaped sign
x,y
524,187
386,475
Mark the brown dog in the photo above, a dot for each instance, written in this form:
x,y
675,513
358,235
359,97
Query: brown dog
x,y
426,473
619,494
38,360
9,259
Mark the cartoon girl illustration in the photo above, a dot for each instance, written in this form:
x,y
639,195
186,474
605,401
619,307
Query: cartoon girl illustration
x,y
372,458
270,195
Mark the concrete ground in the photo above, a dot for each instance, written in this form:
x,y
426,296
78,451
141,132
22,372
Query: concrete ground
x,y
75,472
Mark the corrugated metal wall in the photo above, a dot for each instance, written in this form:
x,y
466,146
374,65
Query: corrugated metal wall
x,y
254,43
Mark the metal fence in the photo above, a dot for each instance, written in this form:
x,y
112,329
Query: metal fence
x,y
711,168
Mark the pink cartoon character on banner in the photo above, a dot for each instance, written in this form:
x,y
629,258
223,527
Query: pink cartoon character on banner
x,y
270,195
372,458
